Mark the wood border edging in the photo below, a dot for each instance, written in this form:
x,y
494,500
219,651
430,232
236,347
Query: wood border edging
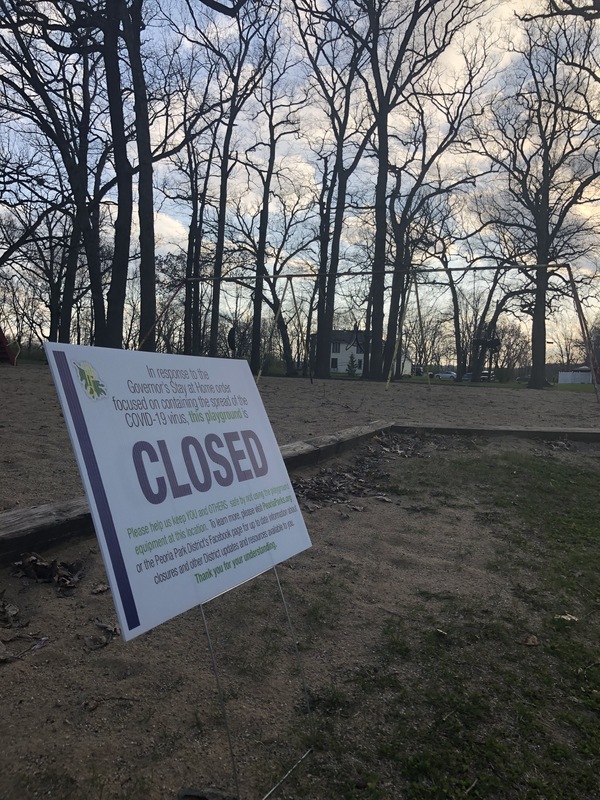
x,y
39,527
550,434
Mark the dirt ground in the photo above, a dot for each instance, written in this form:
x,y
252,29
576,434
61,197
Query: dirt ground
x,y
86,715
37,465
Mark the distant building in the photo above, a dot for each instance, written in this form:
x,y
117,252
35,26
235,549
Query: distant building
x,y
345,344
577,375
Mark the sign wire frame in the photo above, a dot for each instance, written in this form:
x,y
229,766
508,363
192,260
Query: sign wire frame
x,y
221,696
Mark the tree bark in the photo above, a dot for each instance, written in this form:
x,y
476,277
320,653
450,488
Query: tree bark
x,y
120,262
323,339
66,310
132,26
538,332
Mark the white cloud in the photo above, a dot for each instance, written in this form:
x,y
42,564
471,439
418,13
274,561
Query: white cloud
x,y
170,233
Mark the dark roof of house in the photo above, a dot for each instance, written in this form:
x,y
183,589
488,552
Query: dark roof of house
x,y
348,337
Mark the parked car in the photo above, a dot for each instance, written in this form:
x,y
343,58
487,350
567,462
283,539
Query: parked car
x,y
486,375
445,376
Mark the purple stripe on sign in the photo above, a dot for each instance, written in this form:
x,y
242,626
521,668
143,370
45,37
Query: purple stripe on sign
x,y
98,491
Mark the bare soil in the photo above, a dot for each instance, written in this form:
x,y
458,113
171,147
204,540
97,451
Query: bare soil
x,y
86,715
37,464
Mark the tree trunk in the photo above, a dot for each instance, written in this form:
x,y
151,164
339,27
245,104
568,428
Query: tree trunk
x,y
189,261
120,262
213,346
538,333
378,272
66,311
54,308
323,338
132,25
261,255
538,327
458,344
198,330
366,373
400,280
288,358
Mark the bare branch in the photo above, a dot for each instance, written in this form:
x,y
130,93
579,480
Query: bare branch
x,y
222,8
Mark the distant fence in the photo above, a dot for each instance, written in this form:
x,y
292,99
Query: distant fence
x,y
575,377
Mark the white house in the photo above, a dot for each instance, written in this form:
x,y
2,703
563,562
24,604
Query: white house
x,y
578,375
346,344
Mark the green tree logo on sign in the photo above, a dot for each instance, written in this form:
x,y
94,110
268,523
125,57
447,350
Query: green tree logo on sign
x,y
90,380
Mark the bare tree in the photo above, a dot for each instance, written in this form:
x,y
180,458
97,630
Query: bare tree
x,y
290,238
36,205
540,135
241,52
427,172
401,41
566,338
50,86
276,109
336,61
188,172
513,350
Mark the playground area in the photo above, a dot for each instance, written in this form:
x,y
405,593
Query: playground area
x,y
432,609
37,465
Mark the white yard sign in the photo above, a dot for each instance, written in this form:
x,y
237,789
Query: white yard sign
x,y
188,491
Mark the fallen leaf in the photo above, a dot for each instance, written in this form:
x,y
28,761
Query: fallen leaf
x,y
63,574
530,641
8,611
5,655
95,642
109,632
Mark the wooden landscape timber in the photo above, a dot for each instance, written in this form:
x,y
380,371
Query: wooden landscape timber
x,y
26,529
550,434
39,527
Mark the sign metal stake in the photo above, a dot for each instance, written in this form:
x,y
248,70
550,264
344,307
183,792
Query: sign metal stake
x,y
222,701
311,720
